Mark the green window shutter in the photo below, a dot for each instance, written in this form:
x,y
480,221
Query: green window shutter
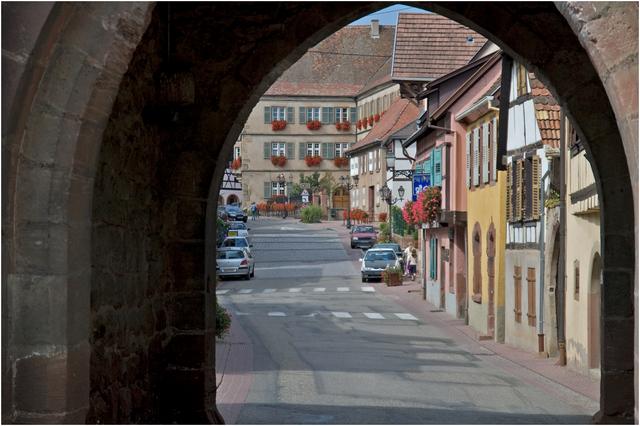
x,y
326,115
428,169
352,115
267,150
291,118
324,150
267,190
303,150
290,149
437,167
331,151
302,115
267,115
332,115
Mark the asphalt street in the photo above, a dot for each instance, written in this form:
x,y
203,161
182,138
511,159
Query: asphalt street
x,y
328,348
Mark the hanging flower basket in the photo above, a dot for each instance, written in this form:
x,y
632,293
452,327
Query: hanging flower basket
x,y
278,160
236,164
341,161
278,125
427,207
313,160
376,118
313,124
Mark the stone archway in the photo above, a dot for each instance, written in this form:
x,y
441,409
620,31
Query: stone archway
x,y
594,312
232,198
62,77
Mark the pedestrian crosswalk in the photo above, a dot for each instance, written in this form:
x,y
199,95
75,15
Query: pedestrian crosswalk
x,y
337,314
227,291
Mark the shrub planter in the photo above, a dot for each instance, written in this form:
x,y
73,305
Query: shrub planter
x,y
392,277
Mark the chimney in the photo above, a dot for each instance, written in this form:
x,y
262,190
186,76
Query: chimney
x,y
375,28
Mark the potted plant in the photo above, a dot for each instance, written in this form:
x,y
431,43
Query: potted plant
x,y
371,121
313,124
278,160
376,118
359,125
278,125
312,160
392,276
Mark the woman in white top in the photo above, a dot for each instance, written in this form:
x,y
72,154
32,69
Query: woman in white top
x,y
412,264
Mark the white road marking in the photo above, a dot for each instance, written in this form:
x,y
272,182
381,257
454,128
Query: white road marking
x,y
407,317
341,314
319,289
368,289
240,313
344,289
222,291
294,290
245,290
277,314
269,290
373,315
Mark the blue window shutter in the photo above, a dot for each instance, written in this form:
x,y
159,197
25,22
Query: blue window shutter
x,y
302,115
267,115
291,118
428,169
331,151
303,150
326,115
267,150
437,167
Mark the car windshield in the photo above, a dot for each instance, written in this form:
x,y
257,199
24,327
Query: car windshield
x,y
380,255
230,254
390,246
233,209
364,229
237,226
235,242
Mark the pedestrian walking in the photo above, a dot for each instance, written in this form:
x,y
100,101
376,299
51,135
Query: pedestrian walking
x,y
254,210
412,261
405,257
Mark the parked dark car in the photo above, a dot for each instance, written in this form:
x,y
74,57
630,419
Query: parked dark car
x,y
392,246
235,213
377,260
363,236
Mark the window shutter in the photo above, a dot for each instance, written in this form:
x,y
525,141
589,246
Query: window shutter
x,y
303,150
531,296
291,118
535,188
326,115
331,151
485,153
468,159
324,149
267,115
517,292
474,142
528,189
290,150
267,150
302,115
267,190
427,165
437,167
509,193
352,115
517,214
494,149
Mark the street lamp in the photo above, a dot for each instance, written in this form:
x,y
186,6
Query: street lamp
x,y
346,182
386,194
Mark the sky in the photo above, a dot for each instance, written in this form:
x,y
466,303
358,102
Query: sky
x,y
388,15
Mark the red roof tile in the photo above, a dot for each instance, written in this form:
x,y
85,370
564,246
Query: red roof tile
x,y
343,64
429,46
399,114
547,112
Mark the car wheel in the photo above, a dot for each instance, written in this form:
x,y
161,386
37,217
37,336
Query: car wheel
x,y
253,272
352,246
364,280
248,276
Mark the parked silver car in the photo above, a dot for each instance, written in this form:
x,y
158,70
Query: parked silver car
x,y
377,260
237,242
234,262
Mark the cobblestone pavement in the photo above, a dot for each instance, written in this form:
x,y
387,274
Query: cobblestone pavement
x,y
310,343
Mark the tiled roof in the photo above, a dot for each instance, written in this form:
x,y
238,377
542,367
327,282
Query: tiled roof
x,y
400,113
547,112
340,65
429,46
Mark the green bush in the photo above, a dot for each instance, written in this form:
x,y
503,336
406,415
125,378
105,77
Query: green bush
x,y
384,227
311,214
399,225
223,321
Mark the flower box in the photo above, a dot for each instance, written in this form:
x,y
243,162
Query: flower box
x,y
278,125
344,125
313,160
371,121
341,161
313,124
376,118
278,160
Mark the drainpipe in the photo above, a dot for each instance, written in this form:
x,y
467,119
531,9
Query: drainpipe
x,y
542,267
561,286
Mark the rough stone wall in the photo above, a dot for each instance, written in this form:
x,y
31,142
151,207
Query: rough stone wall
x,y
128,316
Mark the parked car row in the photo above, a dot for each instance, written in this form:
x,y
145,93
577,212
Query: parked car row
x,y
233,257
378,256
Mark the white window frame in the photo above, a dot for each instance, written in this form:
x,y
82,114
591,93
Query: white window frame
x,y
370,161
341,114
278,113
341,148
278,188
236,152
313,149
278,148
313,113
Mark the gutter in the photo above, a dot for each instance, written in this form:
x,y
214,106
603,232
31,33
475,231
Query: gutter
x,y
542,266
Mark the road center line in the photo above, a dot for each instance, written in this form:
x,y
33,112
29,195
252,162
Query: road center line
x,y
245,290
319,289
294,290
368,289
344,289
